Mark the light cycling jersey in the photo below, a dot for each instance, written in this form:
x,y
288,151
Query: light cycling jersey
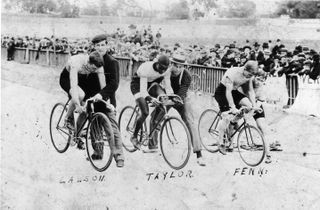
x,y
147,74
235,74
80,62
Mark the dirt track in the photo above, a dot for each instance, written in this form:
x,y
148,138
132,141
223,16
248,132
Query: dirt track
x,y
33,172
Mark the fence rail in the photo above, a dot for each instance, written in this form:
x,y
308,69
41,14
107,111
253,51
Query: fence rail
x,y
204,79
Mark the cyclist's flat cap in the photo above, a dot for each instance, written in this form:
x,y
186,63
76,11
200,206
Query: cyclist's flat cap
x,y
99,38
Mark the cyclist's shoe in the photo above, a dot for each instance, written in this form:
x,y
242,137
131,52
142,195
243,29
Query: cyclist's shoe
x,y
135,142
268,159
119,160
200,161
150,150
229,149
96,156
80,145
276,146
120,163
222,149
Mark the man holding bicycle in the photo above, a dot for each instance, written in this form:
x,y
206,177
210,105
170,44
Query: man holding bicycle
x,y
230,99
145,86
112,78
180,82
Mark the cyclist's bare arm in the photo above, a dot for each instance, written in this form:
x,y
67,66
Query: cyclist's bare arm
x,y
248,90
229,87
102,82
74,91
101,77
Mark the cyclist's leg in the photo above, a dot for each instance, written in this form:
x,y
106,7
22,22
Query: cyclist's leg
x,y
220,96
116,146
144,112
154,91
262,126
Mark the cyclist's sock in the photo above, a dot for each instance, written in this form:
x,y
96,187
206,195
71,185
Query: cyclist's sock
x,y
199,155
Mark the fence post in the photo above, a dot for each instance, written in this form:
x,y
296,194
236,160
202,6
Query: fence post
x,y
27,60
48,57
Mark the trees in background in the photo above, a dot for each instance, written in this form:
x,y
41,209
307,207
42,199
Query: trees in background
x,y
237,9
179,10
62,7
299,9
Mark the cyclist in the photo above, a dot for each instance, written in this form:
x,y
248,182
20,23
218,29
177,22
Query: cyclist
x,y
74,80
145,86
230,99
111,75
180,82
259,117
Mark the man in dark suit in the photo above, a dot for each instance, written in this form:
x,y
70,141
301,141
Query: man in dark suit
x,y
111,72
180,82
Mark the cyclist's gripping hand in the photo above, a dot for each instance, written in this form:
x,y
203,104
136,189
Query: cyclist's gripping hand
x,y
154,101
234,110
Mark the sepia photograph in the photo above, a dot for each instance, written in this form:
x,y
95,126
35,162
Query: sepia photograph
x,y
160,104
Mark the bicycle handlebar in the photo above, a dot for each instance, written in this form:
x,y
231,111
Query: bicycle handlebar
x,y
169,99
90,102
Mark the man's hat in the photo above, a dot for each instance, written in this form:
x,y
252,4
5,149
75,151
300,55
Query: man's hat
x,y
232,45
247,46
265,45
99,38
178,58
256,44
307,62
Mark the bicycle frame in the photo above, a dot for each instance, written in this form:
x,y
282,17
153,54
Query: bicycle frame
x,y
88,118
155,126
234,133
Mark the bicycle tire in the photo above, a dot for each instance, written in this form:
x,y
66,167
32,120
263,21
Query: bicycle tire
x,y
99,123
127,130
251,145
208,138
51,128
167,124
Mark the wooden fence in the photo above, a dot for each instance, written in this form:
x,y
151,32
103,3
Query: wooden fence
x,y
204,79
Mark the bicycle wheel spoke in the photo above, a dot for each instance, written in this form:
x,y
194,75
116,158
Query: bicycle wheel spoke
x,y
98,148
207,128
248,139
59,137
175,143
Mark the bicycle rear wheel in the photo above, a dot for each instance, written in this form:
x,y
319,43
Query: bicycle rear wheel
x,y
60,135
251,145
175,142
207,128
99,140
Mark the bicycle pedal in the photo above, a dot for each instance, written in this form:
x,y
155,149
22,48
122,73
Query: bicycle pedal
x,y
73,142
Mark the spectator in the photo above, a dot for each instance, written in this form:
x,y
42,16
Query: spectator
x,y
11,48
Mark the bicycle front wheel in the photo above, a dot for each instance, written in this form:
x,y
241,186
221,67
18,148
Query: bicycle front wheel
x,y
207,128
251,145
175,142
126,124
99,141
60,136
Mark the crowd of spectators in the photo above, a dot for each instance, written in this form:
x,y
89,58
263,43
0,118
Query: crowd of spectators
x,y
143,45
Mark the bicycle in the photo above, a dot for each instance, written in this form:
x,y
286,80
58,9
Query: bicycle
x,y
175,138
99,133
250,141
